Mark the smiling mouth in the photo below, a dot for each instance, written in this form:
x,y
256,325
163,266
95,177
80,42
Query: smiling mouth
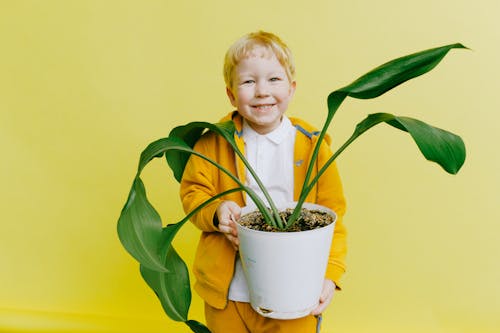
x,y
263,107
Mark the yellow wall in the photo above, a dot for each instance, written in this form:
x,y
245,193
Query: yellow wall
x,y
85,85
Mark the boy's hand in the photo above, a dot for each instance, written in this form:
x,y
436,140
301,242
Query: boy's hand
x,y
326,297
227,213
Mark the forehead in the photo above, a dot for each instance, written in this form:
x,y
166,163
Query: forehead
x,y
259,57
257,65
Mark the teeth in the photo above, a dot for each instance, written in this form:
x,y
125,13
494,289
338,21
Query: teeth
x,y
263,107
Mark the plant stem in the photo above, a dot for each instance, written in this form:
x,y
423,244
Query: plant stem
x,y
360,129
278,222
334,100
309,187
209,201
260,205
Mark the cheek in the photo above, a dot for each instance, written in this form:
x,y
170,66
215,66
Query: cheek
x,y
286,96
243,96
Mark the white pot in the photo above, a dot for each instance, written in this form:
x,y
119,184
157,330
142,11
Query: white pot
x,y
285,270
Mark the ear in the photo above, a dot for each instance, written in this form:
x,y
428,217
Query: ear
x,y
231,96
293,85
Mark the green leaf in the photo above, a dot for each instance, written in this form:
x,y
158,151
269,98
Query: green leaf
x,y
370,121
140,228
172,287
159,147
371,85
437,145
197,327
190,134
393,73
175,147
176,150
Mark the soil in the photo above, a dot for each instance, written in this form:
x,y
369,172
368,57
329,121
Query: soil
x,y
308,220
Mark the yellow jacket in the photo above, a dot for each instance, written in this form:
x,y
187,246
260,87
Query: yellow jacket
x,y
215,257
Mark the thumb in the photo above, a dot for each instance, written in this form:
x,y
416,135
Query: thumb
x,y
235,210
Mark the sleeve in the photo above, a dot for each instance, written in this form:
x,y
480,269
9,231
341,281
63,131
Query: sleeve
x,y
330,194
197,186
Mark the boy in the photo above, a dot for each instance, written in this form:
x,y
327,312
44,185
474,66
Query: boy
x,y
258,73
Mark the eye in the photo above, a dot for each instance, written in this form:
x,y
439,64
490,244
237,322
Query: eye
x,y
247,82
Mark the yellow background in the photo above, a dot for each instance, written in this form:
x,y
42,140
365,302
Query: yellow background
x,y
86,85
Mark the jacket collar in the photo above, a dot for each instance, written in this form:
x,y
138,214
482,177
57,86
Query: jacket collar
x,y
302,126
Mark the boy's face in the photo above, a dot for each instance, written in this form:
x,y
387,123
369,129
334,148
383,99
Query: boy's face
x,y
261,91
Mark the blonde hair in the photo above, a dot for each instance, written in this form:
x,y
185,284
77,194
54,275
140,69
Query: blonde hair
x,y
244,46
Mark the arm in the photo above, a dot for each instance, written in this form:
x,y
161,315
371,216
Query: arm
x,y
198,184
202,180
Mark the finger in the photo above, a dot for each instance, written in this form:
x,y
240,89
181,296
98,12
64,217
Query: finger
x,y
323,304
231,238
328,289
235,209
319,309
324,300
326,294
233,227
226,228
328,297
235,214
232,220
234,241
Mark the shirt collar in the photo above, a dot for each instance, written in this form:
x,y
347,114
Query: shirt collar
x,y
276,136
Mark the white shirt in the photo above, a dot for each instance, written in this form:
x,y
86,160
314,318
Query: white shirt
x,y
271,156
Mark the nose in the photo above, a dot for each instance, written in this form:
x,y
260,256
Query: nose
x,y
261,89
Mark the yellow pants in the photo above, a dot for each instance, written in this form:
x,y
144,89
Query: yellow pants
x,y
239,317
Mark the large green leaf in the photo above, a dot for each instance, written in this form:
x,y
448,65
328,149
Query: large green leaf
x,y
139,225
388,76
174,147
171,146
393,73
140,228
375,83
172,287
437,145
190,134
158,148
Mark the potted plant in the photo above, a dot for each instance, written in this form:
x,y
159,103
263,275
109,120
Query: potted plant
x,y
140,228
285,270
